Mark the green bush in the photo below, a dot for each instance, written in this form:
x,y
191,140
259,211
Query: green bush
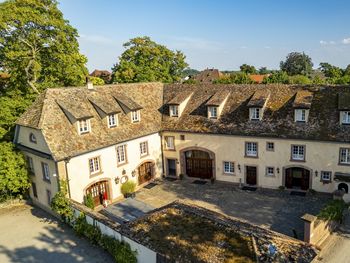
x,y
128,187
60,203
89,201
333,211
120,251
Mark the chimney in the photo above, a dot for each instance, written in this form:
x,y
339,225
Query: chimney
x,y
89,83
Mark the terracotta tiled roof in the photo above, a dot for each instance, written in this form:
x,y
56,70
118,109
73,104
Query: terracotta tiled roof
x,y
303,99
278,120
62,137
258,78
207,76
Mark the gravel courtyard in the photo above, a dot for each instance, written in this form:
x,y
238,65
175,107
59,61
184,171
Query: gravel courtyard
x,y
276,210
30,235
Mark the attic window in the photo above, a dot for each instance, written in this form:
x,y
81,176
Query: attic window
x,y
84,126
255,114
345,117
301,115
112,120
32,138
135,116
174,110
212,112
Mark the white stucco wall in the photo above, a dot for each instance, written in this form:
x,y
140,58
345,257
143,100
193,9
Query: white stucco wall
x,y
78,167
320,156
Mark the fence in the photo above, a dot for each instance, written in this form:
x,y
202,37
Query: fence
x,y
111,228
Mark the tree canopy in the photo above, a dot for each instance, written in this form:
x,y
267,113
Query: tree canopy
x,y
248,69
38,47
297,64
144,60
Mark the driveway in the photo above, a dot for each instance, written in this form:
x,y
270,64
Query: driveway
x,y
31,235
274,209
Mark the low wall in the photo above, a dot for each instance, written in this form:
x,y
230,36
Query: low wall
x,y
317,230
111,228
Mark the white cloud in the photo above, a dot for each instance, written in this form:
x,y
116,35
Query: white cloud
x,y
322,42
97,39
346,41
325,43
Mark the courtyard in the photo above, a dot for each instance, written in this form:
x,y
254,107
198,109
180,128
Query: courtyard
x,y
272,209
28,235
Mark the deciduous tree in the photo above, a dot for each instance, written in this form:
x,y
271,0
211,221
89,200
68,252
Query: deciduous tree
x,y
248,69
297,64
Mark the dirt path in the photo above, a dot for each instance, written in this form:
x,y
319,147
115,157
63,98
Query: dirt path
x,y
31,235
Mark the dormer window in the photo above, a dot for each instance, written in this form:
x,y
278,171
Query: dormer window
x,y
174,110
255,114
135,116
301,115
112,120
32,138
212,112
84,126
345,117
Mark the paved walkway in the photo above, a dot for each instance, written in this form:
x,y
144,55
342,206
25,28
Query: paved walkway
x,y
274,209
30,235
337,247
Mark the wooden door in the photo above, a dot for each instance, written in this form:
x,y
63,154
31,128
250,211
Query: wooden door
x,y
251,175
146,172
305,181
198,167
289,178
97,191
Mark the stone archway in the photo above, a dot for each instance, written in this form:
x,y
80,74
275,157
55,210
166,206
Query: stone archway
x,y
297,177
145,172
198,162
99,191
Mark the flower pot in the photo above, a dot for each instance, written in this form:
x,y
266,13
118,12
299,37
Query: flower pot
x,y
129,195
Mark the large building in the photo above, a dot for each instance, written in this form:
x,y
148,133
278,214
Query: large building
x,y
261,135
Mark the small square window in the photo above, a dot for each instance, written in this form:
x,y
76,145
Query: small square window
x,y
326,176
229,167
298,152
212,112
135,116
344,157
182,137
345,117
174,110
300,115
112,120
270,146
254,113
143,148
169,143
251,149
32,138
84,126
270,171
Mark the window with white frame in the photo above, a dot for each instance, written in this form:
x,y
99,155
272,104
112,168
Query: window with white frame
x,y
30,164
46,172
251,149
300,115
143,148
270,146
270,171
84,126
229,167
254,113
344,156
135,116
174,110
94,165
121,154
298,152
169,142
112,120
212,112
345,119
326,176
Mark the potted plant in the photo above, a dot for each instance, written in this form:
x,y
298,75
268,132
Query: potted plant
x,y
128,189
181,176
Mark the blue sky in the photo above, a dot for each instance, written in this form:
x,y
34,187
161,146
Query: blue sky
x,y
220,34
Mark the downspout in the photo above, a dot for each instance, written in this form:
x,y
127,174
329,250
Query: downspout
x,y
66,161
161,133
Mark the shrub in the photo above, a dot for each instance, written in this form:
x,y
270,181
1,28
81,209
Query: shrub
x,y
89,201
281,187
128,187
333,211
60,203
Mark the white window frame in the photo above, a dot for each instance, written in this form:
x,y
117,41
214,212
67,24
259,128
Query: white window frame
x,y
169,142
112,120
345,119
268,171
84,126
270,149
251,149
344,156
255,114
135,116
144,148
94,165
46,172
300,115
298,152
326,176
212,112
121,154
174,110
229,167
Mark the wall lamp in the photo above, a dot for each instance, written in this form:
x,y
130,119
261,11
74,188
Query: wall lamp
x,y
316,173
278,170
239,167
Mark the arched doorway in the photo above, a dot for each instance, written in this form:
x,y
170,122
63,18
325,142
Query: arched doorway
x,y
198,164
343,187
145,172
98,191
297,178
